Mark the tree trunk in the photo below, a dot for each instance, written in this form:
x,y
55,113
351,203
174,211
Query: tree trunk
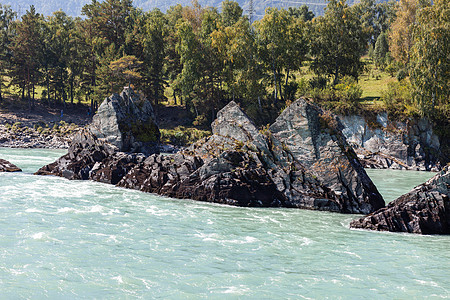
x,y
32,102
286,83
92,106
280,89
275,84
23,91
71,91
48,86
28,89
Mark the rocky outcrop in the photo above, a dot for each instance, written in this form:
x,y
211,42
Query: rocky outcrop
x,y
6,166
305,135
301,161
424,210
127,121
85,151
90,158
383,143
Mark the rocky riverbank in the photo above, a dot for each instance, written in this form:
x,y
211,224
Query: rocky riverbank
x,y
382,143
302,161
39,135
43,127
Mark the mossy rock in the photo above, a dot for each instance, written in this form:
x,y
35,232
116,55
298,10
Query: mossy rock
x,y
143,132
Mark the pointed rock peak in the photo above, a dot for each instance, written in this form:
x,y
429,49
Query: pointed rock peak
x,y
129,94
127,121
313,138
298,109
234,123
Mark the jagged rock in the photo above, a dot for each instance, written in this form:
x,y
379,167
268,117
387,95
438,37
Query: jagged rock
x,y
113,168
289,166
90,158
85,151
306,135
300,161
382,143
424,210
127,122
224,179
6,166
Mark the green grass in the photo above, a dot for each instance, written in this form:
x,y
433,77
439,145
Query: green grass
x,y
374,83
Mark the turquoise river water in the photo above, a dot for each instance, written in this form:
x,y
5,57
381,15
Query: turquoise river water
x,y
63,239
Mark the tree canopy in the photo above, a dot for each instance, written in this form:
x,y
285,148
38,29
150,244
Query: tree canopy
x,y
203,57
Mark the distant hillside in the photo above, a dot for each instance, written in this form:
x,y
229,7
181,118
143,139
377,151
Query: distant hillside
x,y
73,7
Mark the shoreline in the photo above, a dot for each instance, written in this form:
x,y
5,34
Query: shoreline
x,y
39,136
44,127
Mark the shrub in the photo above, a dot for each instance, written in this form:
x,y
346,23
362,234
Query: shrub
x,y
402,74
182,136
348,90
398,99
200,120
318,82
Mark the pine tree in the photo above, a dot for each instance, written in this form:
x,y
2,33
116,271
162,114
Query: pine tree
x,y
380,51
25,47
6,18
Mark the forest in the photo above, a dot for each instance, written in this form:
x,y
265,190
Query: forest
x,y
73,7
202,57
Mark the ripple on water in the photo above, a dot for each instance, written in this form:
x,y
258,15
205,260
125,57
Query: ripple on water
x,y
75,239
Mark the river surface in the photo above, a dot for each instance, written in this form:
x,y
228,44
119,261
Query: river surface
x,y
63,239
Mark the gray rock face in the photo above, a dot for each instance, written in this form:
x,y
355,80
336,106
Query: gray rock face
x,y
6,166
127,122
394,145
300,161
311,165
305,134
424,210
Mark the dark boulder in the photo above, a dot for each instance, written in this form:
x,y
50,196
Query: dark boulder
x,y
424,210
6,166
84,152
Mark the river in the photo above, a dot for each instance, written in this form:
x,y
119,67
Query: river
x,y
63,239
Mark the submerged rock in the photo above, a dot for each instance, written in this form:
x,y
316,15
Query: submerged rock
x,y
6,166
301,161
424,210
